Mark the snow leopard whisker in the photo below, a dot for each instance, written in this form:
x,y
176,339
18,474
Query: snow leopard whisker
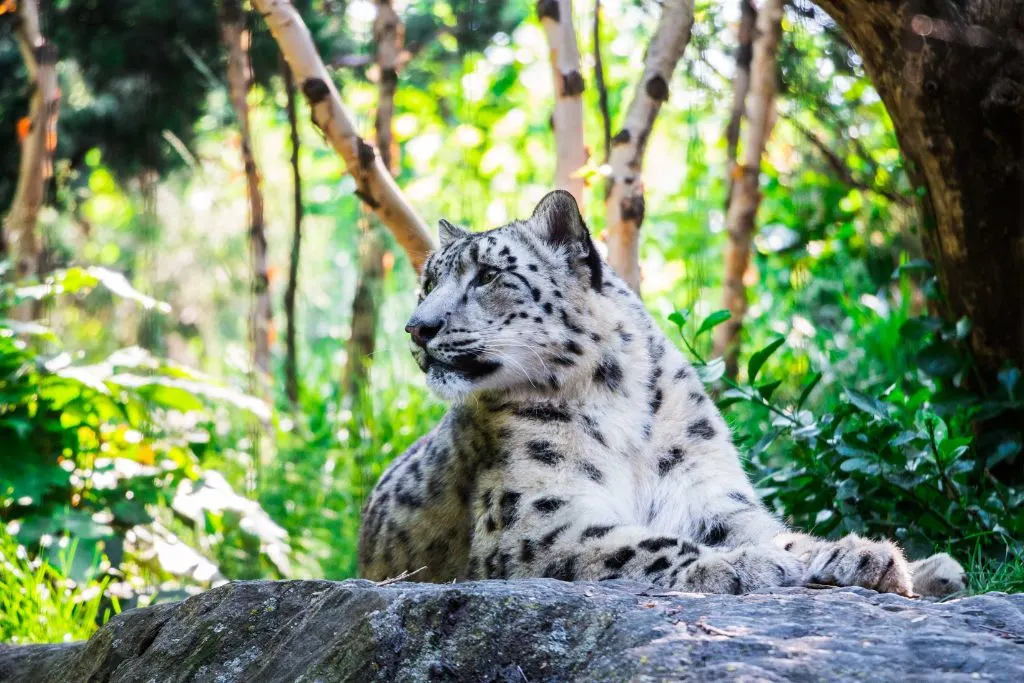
x,y
506,359
497,342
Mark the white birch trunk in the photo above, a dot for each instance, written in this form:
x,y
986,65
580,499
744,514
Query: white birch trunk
x,y
567,120
746,197
625,201
373,182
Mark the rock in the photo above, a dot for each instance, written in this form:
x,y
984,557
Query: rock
x,y
538,630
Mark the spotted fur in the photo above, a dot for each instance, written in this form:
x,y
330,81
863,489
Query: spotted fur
x,y
580,443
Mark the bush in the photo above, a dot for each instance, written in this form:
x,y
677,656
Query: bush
x,y
112,454
909,457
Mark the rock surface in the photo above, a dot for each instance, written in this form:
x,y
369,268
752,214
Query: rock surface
x,y
538,630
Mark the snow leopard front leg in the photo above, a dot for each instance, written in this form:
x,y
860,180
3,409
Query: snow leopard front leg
x,y
879,565
851,561
542,533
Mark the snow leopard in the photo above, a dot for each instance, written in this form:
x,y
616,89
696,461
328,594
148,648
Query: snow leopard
x,y
580,444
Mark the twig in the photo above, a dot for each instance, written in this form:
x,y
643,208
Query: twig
x,y
401,577
841,169
862,152
703,625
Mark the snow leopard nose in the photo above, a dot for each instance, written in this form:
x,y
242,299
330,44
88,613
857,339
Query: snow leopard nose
x,y
422,332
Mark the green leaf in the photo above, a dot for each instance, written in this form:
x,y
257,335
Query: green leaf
x,y
903,438
758,358
869,405
860,465
131,512
679,318
75,280
763,443
1009,377
1007,448
915,329
963,328
852,451
181,394
939,359
712,371
815,378
29,329
19,425
713,321
727,401
118,284
919,265
952,450
932,425
766,390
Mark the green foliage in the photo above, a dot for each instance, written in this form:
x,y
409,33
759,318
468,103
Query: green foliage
x,y
125,98
899,460
988,574
92,451
327,464
39,603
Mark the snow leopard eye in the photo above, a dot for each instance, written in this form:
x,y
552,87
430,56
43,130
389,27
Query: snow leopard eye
x,y
486,276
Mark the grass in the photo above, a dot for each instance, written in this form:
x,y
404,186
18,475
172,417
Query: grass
x,y
39,604
325,468
986,574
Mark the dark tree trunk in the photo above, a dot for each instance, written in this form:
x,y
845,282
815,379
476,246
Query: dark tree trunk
x,y
951,74
236,40
291,364
389,39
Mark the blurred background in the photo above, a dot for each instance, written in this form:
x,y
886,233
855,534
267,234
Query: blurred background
x,y
180,406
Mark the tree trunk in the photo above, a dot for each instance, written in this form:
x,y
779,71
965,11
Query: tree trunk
x,y
374,184
236,41
951,75
21,235
602,91
625,201
365,310
570,152
746,196
740,86
291,364
389,38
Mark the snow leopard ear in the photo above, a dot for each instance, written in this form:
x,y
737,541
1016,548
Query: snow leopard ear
x,y
557,220
449,232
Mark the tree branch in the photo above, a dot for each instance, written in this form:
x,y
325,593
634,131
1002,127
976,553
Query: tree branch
x,y
570,153
38,133
374,184
821,145
746,195
625,201
844,172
